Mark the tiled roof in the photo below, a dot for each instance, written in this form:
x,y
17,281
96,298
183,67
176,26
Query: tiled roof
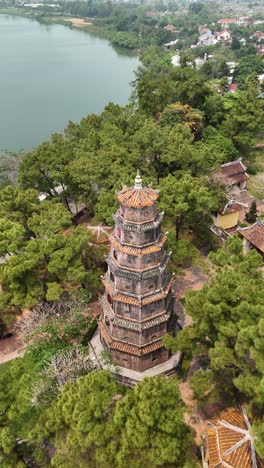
x,y
229,441
100,233
254,234
132,324
139,326
137,351
233,206
136,251
104,333
227,20
234,171
137,197
128,348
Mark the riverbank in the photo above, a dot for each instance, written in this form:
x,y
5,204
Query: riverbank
x,y
86,24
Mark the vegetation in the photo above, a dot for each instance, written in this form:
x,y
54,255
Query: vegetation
x,y
56,407
226,333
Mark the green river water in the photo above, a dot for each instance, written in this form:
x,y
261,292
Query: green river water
x,y
50,74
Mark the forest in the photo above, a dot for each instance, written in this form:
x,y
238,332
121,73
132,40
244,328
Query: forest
x,y
56,407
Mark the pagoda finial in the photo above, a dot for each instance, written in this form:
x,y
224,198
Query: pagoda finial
x,y
138,181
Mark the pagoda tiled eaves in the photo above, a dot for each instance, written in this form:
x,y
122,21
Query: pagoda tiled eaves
x,y
137,306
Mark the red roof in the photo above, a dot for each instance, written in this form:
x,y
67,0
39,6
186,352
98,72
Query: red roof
x,y
254,234
230,443
227,20
233,87
234,172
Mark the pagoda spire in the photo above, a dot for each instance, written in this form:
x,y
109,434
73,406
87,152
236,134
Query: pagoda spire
x,y
138,181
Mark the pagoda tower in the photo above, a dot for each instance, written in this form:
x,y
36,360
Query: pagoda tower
x,y
137,306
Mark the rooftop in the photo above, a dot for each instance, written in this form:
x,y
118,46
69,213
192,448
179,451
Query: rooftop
x,y
234,171
227,20
254,234
138,196
230,443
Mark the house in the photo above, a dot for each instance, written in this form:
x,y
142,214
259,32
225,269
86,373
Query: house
x,y
229,442
253,237
222,36
234,174
229,216
175,60
259,36
206,39
171,44
100,234
204,30
225,22
170,28
244,21
233,88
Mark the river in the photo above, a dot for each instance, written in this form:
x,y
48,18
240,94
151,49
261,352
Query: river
x,y
50,74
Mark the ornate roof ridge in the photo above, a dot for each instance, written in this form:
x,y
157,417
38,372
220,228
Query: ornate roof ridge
x,y
138,251
138,196
138,227
127,347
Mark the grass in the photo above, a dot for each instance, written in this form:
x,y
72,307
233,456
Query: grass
x,y
256,182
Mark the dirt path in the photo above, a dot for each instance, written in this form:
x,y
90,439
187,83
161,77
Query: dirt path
x,y
11,348
193,417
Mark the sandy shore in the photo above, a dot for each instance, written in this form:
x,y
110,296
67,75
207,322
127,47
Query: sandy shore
x,y
78,22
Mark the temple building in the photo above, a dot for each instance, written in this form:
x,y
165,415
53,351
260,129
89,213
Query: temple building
x,y
137,306
229,442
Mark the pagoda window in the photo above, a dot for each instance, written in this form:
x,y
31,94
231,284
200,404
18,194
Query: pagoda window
x,y
149,260
121,210
125,361
127,287
115,254
146,213
112,277
154,337
107,321
125,338
151,286
109,299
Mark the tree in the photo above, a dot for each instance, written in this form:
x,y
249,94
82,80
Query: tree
x,y
80,422
43,252
214,110
150,422
245,118
247,66
91,420
177,113
183,199
251,216
227,328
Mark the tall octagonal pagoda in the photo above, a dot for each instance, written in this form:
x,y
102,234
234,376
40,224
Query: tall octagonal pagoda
x,y
137,306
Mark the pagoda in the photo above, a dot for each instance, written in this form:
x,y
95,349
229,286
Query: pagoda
x,y
137,306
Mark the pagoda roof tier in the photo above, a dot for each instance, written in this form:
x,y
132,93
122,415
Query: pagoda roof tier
x,y
133,324
128,348
138,251
137,196
135,301
133,275
138,227
119,270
